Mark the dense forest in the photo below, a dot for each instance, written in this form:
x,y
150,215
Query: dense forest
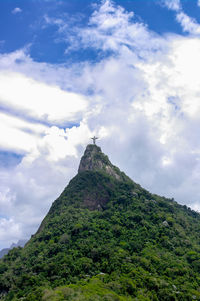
x,y
107,238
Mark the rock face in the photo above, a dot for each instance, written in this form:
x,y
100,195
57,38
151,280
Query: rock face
x,y
97,165
94,160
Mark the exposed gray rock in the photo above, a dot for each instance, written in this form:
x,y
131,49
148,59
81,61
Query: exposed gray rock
x,y
165,223
93,159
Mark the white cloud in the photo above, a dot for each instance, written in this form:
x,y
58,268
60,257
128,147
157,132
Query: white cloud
x,y
52,75
18,135
113,28
39,100
173,4
9,231
187,23
198,2
109,28
16,10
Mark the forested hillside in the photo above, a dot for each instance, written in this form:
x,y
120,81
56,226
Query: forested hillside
x,y
107,238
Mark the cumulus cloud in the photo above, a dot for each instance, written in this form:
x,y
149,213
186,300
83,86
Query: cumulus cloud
x,y
16,10
18,135
143,103
39,100
110,28
9,231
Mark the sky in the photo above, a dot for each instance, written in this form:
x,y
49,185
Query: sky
x,y
127,71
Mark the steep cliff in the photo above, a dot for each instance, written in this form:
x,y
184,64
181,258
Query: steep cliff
x,y
94,160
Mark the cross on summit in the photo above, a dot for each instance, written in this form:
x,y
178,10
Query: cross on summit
x,y
94,139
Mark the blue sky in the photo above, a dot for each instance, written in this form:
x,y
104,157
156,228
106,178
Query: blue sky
x,y
127,71
27,27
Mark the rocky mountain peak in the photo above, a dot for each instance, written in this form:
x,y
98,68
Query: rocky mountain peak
x,y
95,160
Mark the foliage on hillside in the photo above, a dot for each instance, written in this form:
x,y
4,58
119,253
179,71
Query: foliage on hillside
x,y
132,246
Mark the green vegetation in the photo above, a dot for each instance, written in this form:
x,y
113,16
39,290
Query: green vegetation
x,y
105,239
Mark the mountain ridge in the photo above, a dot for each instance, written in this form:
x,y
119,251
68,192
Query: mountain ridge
x,y
20,243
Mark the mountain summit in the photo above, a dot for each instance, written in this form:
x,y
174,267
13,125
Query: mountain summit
x,y
96,183
94,160
106,238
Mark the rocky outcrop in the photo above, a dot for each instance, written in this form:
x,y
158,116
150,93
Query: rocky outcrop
x,y
94,160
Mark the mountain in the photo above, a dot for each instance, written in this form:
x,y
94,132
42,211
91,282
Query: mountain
x,y
20,243
4,252
107,238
